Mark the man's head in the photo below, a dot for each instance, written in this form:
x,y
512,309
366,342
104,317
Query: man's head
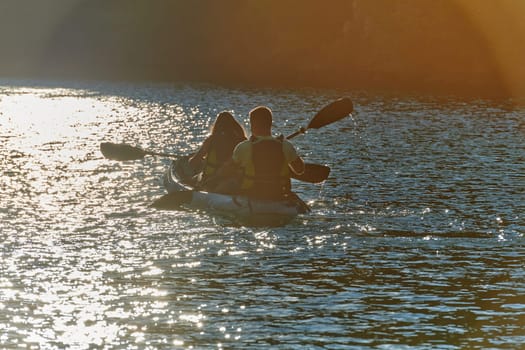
x,y
261,121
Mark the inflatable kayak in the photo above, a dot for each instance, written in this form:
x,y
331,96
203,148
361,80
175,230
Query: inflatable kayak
x,y
178,182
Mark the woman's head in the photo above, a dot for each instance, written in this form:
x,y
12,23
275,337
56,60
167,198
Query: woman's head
x,y
226,124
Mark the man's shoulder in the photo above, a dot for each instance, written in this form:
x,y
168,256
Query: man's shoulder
x,y
289,150
242,145
241,150
288,145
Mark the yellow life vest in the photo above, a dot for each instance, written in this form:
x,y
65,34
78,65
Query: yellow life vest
x,y
267,173
219,152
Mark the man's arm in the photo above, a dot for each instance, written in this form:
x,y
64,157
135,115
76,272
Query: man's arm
x,y
295,162
297,165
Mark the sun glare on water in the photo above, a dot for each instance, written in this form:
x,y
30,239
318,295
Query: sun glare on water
x,y
44,134
49,145
38,117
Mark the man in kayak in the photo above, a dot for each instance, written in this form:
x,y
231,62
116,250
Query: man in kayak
x,y
265,161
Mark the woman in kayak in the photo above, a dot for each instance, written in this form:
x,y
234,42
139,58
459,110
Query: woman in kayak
x,y
217,149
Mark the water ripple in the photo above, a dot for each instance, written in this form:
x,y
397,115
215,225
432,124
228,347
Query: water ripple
x,y
415,241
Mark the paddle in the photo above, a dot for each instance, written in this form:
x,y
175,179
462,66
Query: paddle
x,y
174,200
329,114
313,173
337,110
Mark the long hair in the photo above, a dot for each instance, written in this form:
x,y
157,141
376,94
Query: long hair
x,y
226,125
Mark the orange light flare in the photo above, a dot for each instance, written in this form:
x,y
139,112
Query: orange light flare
x,y
502,25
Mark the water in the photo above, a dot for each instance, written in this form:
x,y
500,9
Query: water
x,y
415,241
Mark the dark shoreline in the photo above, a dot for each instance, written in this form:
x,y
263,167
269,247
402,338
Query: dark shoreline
x,y
410,46
76,81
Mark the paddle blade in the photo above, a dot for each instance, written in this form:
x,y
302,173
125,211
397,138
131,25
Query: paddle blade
x,y
121,151
313,173
173,201
333,112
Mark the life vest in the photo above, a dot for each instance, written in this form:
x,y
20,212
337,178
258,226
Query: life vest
x,y
267,175
220,151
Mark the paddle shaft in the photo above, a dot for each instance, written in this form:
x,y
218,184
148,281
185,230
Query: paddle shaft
x,y
297,133
159,154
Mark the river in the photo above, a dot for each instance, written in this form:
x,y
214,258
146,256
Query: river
x,y
416,240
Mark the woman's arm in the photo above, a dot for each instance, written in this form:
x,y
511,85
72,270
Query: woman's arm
x,y
198,157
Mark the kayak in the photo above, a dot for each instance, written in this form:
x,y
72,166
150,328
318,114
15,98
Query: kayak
x,y
182,193
179,184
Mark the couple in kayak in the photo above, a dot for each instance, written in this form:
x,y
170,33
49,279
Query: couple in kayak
x,y
233,164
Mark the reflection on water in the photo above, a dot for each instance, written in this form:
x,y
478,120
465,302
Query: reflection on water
x,y
415,241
